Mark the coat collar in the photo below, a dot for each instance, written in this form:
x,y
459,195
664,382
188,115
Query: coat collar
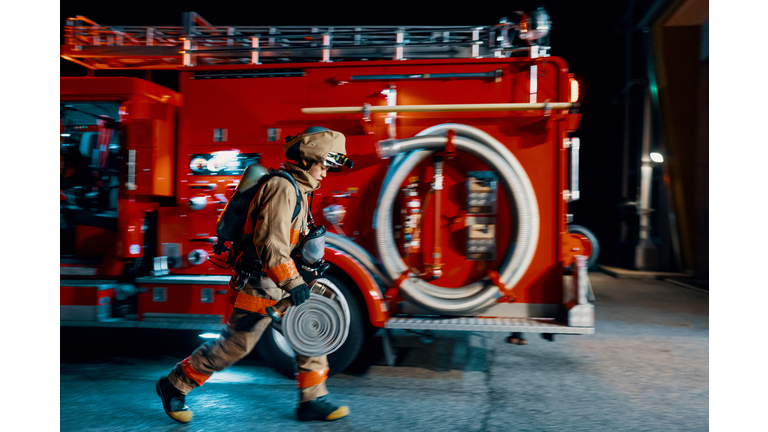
x,y
306,182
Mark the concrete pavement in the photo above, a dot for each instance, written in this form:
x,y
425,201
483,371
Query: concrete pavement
x,y
645,369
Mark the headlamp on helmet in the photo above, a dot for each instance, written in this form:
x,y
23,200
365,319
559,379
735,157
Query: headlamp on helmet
x,y
334,161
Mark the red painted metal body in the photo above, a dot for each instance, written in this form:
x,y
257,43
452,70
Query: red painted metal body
x,y
374,301
86,301
165,136
148,128
183,298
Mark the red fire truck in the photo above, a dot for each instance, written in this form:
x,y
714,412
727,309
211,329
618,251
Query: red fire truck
x,y
455,216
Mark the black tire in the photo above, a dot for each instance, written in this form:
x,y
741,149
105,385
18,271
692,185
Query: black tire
x,y
578,229
339,360
273,356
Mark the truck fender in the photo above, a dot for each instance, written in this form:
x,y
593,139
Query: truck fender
x,y
374,300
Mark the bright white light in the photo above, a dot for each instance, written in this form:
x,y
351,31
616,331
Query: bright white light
x,y
198,202
209,335
223,159
657,157
224,155
65,135
574,90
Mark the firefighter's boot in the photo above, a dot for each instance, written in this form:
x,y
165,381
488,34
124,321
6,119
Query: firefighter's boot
x,y
320,409
173,401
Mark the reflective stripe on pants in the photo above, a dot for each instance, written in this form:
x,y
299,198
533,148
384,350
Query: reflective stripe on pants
x,y
243,332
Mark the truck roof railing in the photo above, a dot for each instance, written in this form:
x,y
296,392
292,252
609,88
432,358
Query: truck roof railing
x,y
199,44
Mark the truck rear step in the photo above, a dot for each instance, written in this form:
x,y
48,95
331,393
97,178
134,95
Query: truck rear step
x,y
527,325
514,325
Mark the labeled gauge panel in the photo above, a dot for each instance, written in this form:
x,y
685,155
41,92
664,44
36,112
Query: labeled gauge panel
x,y
481,220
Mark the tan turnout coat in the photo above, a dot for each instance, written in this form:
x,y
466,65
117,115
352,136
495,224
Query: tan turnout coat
x,y
273,235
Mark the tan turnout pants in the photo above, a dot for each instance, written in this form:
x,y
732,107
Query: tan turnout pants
x,y
243,332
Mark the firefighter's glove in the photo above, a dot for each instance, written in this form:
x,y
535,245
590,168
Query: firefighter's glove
x,y
299,294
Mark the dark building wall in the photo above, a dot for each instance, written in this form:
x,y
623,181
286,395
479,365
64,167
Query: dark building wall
x,y
701,221
683,91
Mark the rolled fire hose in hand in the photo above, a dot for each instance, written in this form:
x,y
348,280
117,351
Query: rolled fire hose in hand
x,y
317,327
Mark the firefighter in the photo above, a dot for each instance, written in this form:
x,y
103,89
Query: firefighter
x,y
265,274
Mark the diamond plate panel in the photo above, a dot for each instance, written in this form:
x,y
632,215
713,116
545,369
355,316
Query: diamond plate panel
x,y
528,325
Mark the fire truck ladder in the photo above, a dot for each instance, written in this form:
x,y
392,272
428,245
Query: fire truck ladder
x,y
198,43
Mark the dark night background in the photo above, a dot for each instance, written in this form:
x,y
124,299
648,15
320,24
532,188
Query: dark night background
x,y
588,35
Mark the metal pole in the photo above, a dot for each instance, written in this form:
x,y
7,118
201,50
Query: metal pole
x,y
670,220
326,48
643,258
533,84
255,52
624,227
440,107
187,23
186,59
437,248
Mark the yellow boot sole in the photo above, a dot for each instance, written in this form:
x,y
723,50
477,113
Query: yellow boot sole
x,y
182,416
339,413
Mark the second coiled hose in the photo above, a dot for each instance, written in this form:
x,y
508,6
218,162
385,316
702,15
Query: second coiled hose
x,y
408,153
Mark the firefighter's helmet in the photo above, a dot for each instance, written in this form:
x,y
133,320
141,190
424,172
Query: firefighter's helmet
x,y
318,144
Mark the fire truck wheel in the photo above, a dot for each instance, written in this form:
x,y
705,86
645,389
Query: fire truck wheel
x,y
275,352
578,229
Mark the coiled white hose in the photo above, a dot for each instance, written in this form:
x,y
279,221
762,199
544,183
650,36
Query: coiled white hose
x,y
514,182
317,327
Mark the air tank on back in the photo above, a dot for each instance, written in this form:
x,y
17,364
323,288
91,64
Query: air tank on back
x,y
232,218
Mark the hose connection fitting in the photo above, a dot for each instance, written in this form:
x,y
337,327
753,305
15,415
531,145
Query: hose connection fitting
x,y
386,149
495,279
